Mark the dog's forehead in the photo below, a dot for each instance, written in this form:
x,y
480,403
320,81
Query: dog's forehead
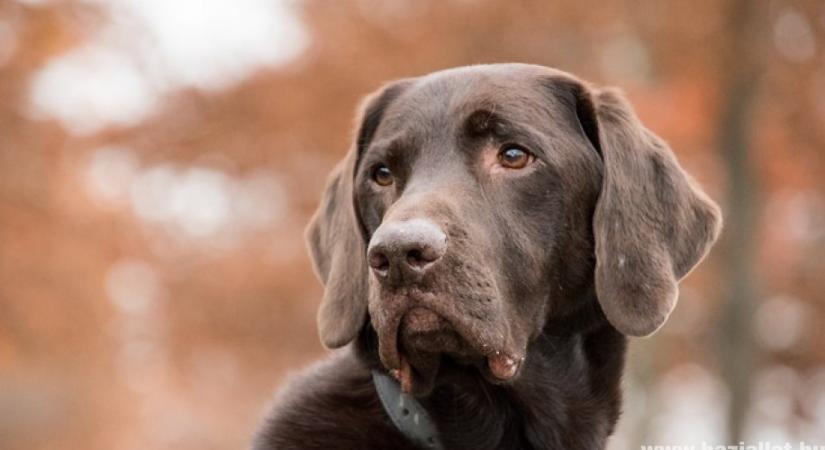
x,y
501,73
442,99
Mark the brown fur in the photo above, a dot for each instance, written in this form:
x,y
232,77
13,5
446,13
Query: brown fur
x,y
548,267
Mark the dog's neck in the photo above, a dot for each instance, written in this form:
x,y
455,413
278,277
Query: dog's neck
x,y
567,395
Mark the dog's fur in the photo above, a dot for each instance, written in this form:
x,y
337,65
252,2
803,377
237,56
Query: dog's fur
x,y
550,266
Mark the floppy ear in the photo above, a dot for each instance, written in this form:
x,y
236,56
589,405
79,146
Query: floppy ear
x,y
335,239
652,223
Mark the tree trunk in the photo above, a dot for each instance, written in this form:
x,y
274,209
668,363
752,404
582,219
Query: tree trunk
x,y
737,350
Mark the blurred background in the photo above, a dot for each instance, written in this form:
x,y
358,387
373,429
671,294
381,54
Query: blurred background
x,y
159,160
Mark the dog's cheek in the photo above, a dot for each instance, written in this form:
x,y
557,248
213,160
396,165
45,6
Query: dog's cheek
x,y
529,282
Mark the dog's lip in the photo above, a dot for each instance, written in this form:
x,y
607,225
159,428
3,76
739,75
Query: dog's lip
x,y
422,317
503,357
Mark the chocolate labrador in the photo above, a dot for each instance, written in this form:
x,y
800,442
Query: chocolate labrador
x,y
490,240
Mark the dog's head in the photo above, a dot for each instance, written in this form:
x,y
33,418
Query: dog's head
x,y
478,203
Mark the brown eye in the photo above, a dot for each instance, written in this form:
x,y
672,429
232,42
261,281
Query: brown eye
x,y
382,175
513,157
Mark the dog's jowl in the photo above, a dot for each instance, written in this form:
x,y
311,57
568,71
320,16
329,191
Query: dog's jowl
x,y
486,246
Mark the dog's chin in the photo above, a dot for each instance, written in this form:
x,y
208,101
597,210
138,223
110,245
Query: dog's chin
x,y
428,346
423,337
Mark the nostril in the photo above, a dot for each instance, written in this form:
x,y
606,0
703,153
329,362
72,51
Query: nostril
x,y
379,262
414,258
420,258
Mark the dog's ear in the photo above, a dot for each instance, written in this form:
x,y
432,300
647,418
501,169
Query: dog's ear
x,y
334,235
652,223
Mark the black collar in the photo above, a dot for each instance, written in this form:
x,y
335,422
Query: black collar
x,y
406,413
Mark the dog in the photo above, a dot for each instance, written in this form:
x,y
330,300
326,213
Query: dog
x,y
492,238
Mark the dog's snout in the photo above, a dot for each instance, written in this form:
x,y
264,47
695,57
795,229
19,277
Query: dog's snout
x,y
410,246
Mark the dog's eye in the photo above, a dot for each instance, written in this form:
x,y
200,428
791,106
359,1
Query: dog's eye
x,y
512,157
382,175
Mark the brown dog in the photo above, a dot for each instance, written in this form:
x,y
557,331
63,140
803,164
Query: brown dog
x,y
490,239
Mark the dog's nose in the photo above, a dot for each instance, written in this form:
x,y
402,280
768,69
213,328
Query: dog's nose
x,y
409,247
